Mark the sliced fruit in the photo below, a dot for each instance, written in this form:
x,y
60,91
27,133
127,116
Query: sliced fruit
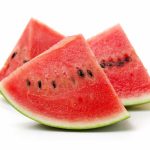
x,y
122,66
35,39
64,87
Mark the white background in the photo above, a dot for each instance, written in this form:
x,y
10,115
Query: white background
x,y
72,17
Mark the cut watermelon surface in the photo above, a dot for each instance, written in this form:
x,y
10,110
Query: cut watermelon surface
x,y
122,66
35,39
64,87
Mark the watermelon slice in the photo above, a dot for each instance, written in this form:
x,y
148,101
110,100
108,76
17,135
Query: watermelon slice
x,y
35,39
64,87
121,64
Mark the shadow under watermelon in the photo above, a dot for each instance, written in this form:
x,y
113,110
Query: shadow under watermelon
x,y
144,107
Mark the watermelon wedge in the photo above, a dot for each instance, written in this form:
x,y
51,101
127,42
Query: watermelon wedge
x,y
35,39
122,66
64,87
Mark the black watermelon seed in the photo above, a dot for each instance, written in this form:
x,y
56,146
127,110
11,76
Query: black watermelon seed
x,y
39,84
120,63
53,84
103,65
28,82
13,55
90,73
24,61
110,64
80,73
127,59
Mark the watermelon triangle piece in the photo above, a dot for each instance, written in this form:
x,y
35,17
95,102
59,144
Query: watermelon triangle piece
x,y
35,39
122,66
64,87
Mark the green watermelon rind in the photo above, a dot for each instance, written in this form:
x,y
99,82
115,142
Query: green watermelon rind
x,y
64,125
133,101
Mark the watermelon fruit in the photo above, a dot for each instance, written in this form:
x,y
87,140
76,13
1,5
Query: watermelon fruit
x,y
122,66
35,39
64,87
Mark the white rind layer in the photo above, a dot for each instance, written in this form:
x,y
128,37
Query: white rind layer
x,y
131,101
98,122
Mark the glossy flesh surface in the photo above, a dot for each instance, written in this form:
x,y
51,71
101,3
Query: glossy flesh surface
x,y
64,87
35,39
122,66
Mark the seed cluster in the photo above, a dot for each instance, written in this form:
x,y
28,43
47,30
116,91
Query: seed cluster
x,y
80,73
118,63
39,83
14,55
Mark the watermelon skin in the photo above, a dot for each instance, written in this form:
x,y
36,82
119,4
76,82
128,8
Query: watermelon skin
x,y
35,39
77,100
122,66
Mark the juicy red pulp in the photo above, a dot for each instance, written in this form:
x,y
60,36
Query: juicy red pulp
x,y
119,61
73,88
35,39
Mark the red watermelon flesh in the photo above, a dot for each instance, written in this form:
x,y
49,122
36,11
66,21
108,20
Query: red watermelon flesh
x,y
122,66
64,87
35,39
